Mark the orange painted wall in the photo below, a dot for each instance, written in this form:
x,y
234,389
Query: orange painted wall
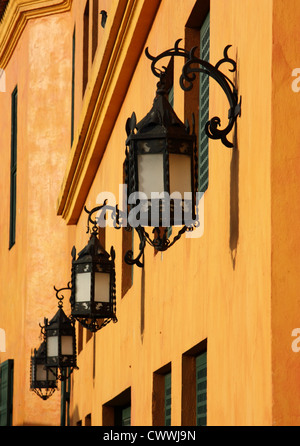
x,y
37,261
236,286
285,184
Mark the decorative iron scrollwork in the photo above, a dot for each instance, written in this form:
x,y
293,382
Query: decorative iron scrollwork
x,y
195,65
59,296
161,240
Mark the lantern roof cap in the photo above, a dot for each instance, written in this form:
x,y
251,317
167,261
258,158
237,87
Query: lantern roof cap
x,y
41,351
93,249
162,120
59,320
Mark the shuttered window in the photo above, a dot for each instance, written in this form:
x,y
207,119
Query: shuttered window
x,y
65,400
73,86
13,168
171,96
126,416
86,39
95,28
168,399
201,388
6,392
204,106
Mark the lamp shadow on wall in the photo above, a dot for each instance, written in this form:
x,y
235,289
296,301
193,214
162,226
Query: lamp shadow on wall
x,y
234,202
143,303
234,192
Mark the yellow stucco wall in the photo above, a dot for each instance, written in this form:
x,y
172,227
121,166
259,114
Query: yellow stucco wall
x,y
217,287
236,286
285,214
31,268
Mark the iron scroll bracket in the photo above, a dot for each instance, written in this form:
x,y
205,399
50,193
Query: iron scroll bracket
x,y
161,241
194,65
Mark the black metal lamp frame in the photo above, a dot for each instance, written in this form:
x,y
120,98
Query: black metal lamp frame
x,y
93,318
193,65
43,388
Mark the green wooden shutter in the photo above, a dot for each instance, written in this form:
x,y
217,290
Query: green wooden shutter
x,y
13,168
168,399
204,106
171,96
201,387
86,44
6,392
65,401
126,416
171,101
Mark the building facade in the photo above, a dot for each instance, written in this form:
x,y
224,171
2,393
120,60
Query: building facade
x,y
206,331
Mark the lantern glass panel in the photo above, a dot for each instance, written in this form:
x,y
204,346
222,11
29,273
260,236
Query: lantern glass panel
x,y
51,376
67,345
83,287
180,174
33,370
151,173
41,373
102,287
52,346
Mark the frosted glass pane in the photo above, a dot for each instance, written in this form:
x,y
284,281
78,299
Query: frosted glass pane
x,y
102,287
41,373
180,174
67,345
52,346
83,287
51,376
151,174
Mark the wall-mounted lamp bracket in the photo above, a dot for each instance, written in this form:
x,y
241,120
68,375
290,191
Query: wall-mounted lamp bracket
x,y
163,120
195,65
160,241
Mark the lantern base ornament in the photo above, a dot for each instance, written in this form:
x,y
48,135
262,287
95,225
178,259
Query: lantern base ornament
x,y
44,393
42,381
93,324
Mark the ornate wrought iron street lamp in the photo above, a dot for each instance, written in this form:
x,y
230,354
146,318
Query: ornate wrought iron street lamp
x,y
60,341
161,153
162,159
42,380
93,297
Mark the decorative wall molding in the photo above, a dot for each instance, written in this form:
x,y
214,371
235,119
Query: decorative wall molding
x,y
15,18
105,92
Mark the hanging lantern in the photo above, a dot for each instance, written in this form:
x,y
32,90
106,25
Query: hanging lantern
x,y
93,297
161,165
161,168
42,380
60,339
